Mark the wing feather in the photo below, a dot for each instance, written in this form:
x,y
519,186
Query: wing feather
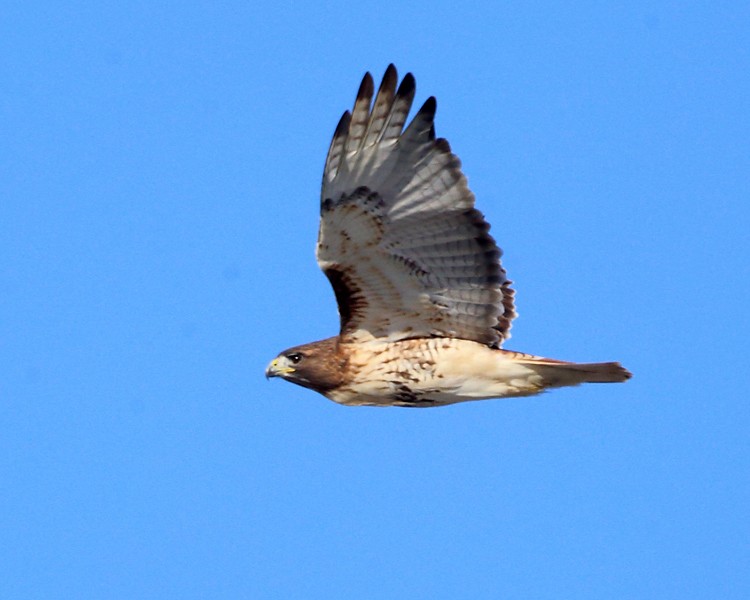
x,y
381,110
399,110
360,116
336,150
405,250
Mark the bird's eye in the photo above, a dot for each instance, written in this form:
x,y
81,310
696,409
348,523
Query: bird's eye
x,y
294,358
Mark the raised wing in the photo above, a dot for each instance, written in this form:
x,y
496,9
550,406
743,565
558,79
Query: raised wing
x,y
404,248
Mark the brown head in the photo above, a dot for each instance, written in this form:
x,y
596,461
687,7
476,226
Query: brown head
x,y
318,366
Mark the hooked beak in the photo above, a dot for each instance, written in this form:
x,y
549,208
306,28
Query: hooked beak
x,y
275,370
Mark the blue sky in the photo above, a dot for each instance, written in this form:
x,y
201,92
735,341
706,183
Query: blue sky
x,y
159,175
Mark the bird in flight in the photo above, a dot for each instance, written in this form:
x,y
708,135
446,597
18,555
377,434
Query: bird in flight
x,y
423,301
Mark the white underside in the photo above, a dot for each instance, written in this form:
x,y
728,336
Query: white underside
x,y
441,371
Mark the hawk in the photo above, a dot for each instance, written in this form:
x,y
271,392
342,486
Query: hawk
x,y
423,301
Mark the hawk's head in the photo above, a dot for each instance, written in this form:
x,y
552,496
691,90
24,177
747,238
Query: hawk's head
x,y
285,364
317,366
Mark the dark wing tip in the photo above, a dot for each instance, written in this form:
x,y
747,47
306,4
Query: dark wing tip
x,y
391,74
429,107
343,124
366,88
427,112
388,84
408,86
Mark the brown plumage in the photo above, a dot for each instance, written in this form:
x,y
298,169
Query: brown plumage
x,y
423,299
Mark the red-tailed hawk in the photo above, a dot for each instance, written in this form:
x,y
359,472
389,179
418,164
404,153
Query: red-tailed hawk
x,y
423,300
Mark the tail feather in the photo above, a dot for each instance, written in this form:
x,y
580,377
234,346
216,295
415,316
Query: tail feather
x,y
557,373
608,372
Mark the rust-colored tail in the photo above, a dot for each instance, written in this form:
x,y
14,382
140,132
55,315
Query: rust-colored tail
x,y
608,372
562,374
558,373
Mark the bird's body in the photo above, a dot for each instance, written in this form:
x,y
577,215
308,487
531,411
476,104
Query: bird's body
x,y
426,372
423,300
